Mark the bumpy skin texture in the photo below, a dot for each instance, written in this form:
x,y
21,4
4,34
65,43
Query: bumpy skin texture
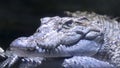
x,y
91,38
85,62
111,29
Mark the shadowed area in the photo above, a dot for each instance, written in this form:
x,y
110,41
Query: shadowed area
x,y
21,18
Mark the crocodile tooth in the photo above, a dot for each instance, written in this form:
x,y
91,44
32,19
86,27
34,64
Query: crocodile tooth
x,y
27,60
23,60
31,60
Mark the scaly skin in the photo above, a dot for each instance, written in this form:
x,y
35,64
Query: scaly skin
x,y
86,36
111,30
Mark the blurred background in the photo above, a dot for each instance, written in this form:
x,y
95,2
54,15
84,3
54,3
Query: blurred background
x,y
22,17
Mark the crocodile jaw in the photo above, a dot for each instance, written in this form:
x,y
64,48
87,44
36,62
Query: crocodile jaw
x,y
57,37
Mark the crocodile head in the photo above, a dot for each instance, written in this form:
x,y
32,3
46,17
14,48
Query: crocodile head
x,y
61,37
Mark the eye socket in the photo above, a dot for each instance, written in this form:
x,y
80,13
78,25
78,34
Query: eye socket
x,y
68,24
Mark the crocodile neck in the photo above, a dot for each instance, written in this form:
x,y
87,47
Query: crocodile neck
x,y
110,51
111,29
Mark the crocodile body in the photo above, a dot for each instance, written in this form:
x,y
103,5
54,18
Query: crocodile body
x,y
92,39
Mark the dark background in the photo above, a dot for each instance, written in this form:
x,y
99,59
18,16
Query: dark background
x,y
22,17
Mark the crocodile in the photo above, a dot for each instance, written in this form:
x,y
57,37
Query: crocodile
x,y
83,40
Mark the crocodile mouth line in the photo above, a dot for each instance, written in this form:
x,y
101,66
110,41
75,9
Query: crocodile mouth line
x,y
24,53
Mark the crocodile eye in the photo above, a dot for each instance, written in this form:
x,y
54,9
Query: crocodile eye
x,y
68,24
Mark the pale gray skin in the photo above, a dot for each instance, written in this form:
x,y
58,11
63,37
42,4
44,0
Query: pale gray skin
x,y
85,36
